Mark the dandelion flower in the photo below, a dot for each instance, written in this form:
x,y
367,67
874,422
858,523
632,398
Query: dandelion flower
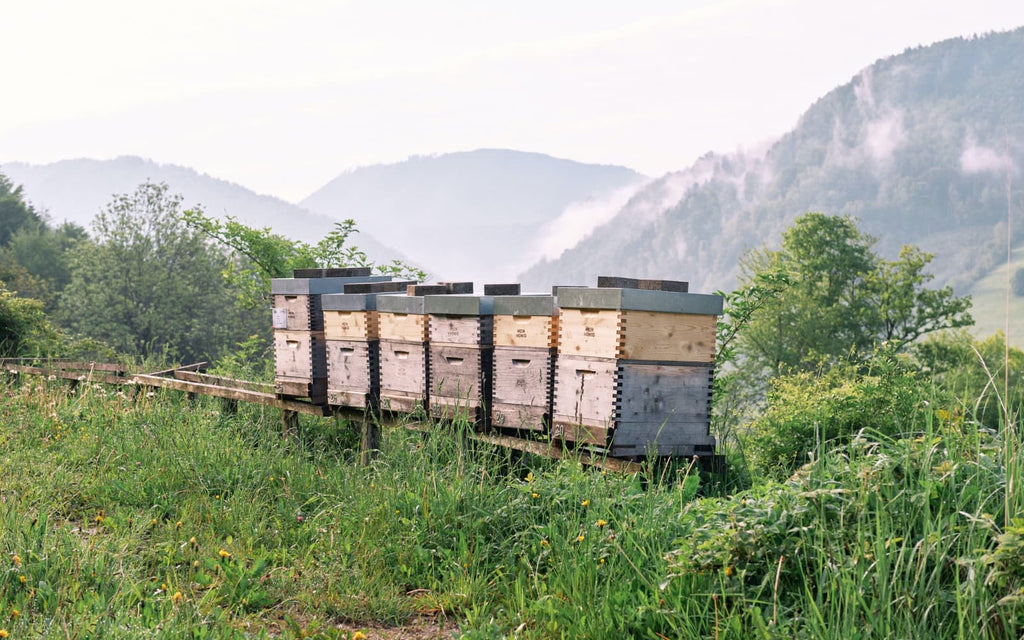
x,y
601,522
177,525
22,579
730,571
535,495
545,543
358,635
16,560
529,477
224,554
3,633
15,614
192,540
177,597
580,538
600,561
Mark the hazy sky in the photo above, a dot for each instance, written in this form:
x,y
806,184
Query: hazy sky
x,y
282,96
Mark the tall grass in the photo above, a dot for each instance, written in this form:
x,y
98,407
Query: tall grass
x,y
126,517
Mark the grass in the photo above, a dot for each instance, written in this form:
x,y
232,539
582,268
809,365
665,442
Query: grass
x,y
150,517
988,297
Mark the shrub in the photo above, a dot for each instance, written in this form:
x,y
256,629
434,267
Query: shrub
x,y
807,409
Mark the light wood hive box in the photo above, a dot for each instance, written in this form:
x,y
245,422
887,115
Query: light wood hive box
x,y
525,337
402,327
300,350
461,331
634,370
351,332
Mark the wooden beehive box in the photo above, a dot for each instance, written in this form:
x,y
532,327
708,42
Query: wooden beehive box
x,y
300,350
353,348
461,330
634,370
525,337
402,327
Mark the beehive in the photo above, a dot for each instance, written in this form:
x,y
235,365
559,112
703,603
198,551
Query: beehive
x,y
402,329
300,350
351,332
461,331
634,370
525,337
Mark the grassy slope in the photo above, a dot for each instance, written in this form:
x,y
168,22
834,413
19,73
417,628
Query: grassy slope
x,y
989,303
149,517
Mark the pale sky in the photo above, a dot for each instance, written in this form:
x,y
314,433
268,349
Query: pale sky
x,y
283,96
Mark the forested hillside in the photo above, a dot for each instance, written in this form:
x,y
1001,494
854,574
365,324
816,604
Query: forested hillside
x,y
916,146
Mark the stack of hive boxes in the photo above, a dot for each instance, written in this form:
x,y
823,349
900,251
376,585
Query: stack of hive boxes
x,y
634,372
300,351
461,331
402,328
525,337
351,333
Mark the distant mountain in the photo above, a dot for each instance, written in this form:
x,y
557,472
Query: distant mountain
x,y
477,215
76,190
916,147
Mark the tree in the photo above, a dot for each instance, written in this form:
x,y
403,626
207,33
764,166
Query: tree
x,y
843,301
151,285
262,255
15,213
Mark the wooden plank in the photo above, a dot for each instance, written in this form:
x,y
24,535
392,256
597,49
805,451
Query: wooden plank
x,y
519,417
352,366
354,399
589,332
569,430
412,327
526,331
552,450
616,282
502,289
461,330
202,378
402,402
243,395
585,390
523,377
459,373
378,287
300,312
315,389
106,378
403,368
351,325
299,354
648,335
427,290
656,394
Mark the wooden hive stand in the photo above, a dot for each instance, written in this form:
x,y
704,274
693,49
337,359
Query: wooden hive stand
x,y
525,337
461,352
634,371
300,350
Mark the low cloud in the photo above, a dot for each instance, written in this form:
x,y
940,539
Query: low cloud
x,y
977,158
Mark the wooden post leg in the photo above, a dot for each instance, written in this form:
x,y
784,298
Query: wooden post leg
x,y
371,438
289,424
229,406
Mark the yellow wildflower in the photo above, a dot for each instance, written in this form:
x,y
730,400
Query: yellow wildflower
x,y
600,561
177,525
535,495
192,541
545,543
16,560
580,537
730,571
22,579
177,597
586,503
529,477
3,633
15,614
224,554
601,522
99,519
358,635
271,478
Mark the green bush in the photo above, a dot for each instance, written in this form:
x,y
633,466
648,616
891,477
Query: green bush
x,y
805,410
975,369
24,328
